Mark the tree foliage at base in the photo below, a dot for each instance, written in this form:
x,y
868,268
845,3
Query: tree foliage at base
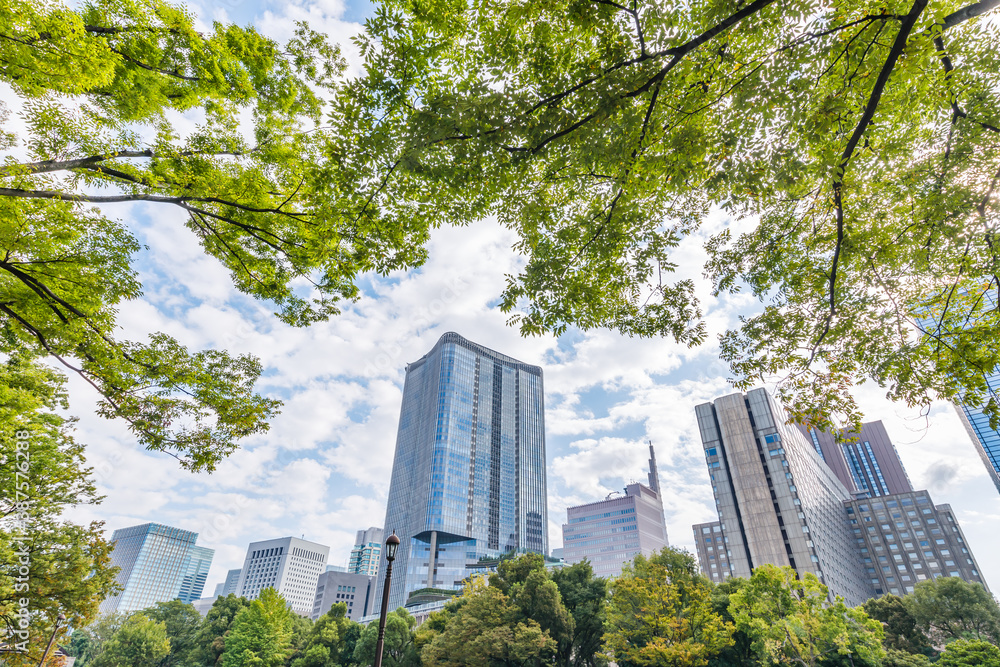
x,y
660,614
485,627
789,619
261,633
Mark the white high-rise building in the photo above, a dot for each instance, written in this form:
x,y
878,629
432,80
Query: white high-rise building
x,y
289,565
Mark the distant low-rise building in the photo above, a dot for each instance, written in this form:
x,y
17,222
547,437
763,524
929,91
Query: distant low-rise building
x,y
204,605
615,530
354,590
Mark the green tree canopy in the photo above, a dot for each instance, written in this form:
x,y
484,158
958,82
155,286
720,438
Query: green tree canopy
x,y
328,643
97,85
399,648
585,597
790,621
210,639
261,633
970,653
660,614
138,642
901,631
950,608
896,658
741,653
536,598
67,567
858,141
484,627
182,622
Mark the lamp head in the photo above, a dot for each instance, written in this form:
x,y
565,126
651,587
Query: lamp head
x,y
391,544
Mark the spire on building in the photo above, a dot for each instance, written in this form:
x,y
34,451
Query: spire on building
x,y
654,478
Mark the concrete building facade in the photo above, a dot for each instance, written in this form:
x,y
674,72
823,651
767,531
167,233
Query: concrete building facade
x,y
613,531
848,497
778,502
289,565
354,590
906,538
157,564
468,477
366,552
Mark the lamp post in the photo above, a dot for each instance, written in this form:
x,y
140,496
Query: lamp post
x,y
391,544
59,621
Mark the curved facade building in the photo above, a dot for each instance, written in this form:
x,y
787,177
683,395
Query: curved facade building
x,y
468,478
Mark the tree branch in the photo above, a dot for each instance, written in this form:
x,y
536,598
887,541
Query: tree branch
x,y
866,118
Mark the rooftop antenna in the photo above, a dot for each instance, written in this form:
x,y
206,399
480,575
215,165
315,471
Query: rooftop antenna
x,y
654,478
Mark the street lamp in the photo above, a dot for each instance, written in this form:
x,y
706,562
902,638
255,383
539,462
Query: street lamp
x,y
391,544
59,621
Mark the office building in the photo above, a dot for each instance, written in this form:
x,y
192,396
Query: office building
x,y
468,478
778,502
232,583
865,531
866,463
195,573
615,530
204,605
218,589
289,565
354,590
366,552
157,564
905,538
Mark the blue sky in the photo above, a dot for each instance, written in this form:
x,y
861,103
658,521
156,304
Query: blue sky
x,y
322,470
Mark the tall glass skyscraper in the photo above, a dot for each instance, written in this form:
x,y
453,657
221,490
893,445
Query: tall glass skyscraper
x,y
158,564
468,479
985,438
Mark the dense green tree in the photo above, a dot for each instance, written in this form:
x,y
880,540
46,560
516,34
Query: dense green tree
x,y
740,653
138,642
301,628
536,597
970,653
99,84
901,631
326,644
896,658
399,647
790,621
660,614
485,628
261,633
949,608
89,642
210,639
182,622
856,141
585,597
57,566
